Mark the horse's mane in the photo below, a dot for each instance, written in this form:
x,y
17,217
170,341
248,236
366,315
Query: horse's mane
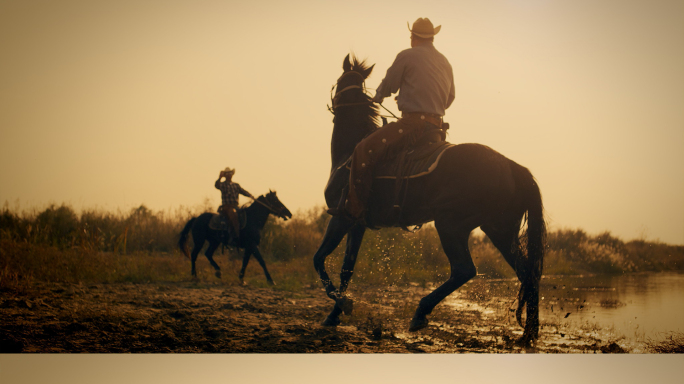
x,y
263,198
356,116
371,111
250,203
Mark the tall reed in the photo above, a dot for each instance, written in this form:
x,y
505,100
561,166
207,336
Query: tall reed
x,y
57,244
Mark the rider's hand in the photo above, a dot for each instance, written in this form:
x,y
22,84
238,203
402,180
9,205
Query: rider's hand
x,y
377,98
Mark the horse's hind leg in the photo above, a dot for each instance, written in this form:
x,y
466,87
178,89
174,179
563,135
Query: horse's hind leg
x,y
210,256
193,256
505,239
454,240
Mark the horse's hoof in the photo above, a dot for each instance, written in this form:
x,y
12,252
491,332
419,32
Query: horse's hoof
x,y
218,274
527,340
271,282
243,283
331,322
418,323
346,304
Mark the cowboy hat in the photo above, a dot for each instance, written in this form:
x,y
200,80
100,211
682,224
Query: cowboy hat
x,y
422,27
229,171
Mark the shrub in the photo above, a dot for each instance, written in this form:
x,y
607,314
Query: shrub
x,y
95,239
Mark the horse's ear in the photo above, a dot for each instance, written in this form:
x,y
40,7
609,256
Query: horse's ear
x,y
368,71
347,64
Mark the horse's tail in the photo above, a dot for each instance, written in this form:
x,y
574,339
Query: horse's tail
x,y
184,237
535,239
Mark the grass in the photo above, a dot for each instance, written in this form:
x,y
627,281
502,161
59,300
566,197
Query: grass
x,y
56,245
59,245
23,264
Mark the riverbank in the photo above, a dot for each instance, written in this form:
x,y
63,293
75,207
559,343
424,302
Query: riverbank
x,y
191,317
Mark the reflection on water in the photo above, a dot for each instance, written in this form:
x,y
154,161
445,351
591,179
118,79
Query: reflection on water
x,y
633,308
636,306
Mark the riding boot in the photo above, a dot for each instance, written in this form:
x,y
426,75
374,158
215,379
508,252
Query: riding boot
x,y
225,230
236,236
340,209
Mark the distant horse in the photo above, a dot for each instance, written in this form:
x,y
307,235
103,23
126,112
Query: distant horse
x,y
472,186
250,234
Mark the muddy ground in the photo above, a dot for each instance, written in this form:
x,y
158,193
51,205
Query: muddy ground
x,y
192,317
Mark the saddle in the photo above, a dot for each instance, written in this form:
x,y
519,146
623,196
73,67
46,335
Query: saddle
x,y
417,160
413,162
219,223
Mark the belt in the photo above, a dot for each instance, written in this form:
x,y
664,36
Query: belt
x,y
429,117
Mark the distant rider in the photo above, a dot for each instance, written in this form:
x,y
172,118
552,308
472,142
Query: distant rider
x,y
229,199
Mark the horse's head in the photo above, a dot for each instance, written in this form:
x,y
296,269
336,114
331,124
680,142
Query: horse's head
x,y
279,209
355,114
351,85
352,64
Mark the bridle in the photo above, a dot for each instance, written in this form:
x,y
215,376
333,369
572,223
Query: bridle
x,y
362,87
273,210
334,99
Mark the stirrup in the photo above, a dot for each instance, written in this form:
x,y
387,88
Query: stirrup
x,y
336,212
341,213
340,210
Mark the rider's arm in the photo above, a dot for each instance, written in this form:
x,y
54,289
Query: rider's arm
x,y
452,92
245,193
217,184
392,81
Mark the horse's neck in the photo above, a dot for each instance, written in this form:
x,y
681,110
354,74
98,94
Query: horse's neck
x,y
348,131
258,214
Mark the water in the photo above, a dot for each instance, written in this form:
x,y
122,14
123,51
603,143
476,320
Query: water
x,y
638,307
632,309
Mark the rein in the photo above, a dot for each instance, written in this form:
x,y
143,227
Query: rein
x,y
390,112
333,100
267,207
346,89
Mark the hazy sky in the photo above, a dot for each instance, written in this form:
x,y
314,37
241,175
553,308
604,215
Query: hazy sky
x,y
113,104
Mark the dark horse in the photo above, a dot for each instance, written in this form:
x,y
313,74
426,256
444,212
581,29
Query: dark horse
x,y
473,186
250,234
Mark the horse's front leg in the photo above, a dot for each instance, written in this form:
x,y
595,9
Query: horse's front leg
x,y
354,238
245,261
210,256
260,260
343,303
334,233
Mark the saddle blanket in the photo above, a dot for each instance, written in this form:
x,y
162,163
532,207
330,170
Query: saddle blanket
x,y
413,163
217,222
